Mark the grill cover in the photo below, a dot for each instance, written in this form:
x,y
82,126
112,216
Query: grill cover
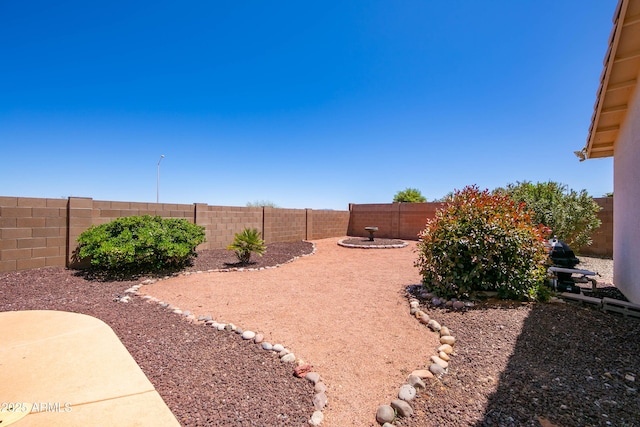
x,y
561,254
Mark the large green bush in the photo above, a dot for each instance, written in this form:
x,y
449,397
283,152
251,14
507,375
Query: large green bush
x,y
138,244
482,242
571,215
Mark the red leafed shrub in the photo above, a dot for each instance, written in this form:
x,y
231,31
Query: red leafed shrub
x,y
481,241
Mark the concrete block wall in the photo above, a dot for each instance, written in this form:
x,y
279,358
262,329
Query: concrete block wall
x,y
322,224
38,232
32,233
394,220
284,225
406,220
223,222
602,245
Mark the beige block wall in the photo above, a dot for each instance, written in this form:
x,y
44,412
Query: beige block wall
x,y
223,222
284,225
602,245
38,232
32,233
394,220
406,220
323,224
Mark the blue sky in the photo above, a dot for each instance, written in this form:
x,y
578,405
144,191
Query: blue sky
x,y
305,104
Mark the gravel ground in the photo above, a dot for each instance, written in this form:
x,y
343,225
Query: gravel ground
x,y
207,378
537,364
515,364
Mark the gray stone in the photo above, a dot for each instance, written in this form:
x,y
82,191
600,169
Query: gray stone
x,y
229,327
387,425
320,387
434,325
313,377
407,392
436,369
267,346
436,301
283,352
186,313
278,347
316,418
248,335
287,358
320,401
222,326
385,414
416,382
402,408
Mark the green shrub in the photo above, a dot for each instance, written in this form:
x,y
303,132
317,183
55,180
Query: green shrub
x,y
481,242
247,242
571,215
409,195
140,244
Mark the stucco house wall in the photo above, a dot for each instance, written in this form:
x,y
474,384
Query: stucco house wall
x,y
615,131
626,204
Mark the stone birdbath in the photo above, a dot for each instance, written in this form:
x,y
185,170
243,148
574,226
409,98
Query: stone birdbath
x,y
371,230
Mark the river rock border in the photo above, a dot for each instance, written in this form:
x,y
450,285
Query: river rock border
x,y
437,366
351,245
301,369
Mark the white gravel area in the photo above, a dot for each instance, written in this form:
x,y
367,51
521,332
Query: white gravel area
x,y
602,266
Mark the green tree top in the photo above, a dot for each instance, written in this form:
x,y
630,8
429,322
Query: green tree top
x,y
409,195
571,215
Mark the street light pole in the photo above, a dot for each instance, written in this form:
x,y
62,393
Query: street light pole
x,y
158,181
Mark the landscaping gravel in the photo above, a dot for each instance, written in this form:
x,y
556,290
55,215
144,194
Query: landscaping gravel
x,y
206,377
535,365
512,364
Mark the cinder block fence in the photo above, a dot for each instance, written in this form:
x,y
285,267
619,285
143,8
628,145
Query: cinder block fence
x,y
38,232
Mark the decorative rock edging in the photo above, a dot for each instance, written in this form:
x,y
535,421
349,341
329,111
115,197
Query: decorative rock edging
x,y
351,245
438,363
302,370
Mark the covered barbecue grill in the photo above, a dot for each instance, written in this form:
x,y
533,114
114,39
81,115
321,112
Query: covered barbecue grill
x,y
563,268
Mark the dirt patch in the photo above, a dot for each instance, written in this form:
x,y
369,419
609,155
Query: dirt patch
x,y
339,310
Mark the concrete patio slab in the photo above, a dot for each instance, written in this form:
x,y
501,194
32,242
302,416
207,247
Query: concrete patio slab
x,y
71,369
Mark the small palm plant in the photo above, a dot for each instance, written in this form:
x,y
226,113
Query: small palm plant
x,y
247,242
